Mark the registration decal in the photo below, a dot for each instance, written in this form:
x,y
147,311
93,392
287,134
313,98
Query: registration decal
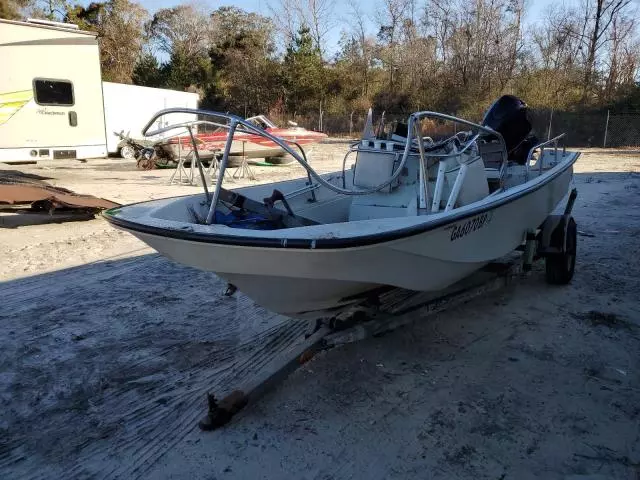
x,y
459,230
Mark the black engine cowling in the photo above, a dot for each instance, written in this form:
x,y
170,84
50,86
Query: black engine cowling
x,y
508,116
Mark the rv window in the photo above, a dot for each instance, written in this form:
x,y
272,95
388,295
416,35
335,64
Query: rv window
x,y
53,92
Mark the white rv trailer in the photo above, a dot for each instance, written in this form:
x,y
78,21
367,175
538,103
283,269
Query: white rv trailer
x,y
121,117
50,92
53,103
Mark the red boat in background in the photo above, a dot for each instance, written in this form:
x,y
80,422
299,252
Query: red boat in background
x,y
245,144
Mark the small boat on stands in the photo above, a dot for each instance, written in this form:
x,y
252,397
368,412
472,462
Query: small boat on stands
x,y
246,143
413,211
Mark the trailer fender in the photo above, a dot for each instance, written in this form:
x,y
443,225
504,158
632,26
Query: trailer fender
x,y
552,239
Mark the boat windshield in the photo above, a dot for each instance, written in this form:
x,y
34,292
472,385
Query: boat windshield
x,y
262,122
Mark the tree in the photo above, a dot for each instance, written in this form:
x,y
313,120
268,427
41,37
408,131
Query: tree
x,y
242,51
390,20
119,24
303,73
449,55
148,72
476,48
55,10
183,31
351,71
359,49
623,60
603,15
290,16
10,9
183,73
577,70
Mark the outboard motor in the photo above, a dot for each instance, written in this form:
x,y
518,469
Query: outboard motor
x,y
508,116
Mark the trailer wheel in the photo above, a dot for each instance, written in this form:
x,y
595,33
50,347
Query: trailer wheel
x,y
561,266
127,152
234,161
282,160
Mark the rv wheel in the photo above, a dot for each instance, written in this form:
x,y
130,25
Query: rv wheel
x,y
127,152
561,266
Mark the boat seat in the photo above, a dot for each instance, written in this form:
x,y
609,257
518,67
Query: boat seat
x,y
373,168
476,185
491,153
493,178
492,173
402,202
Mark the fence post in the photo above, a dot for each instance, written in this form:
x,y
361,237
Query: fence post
x,y
351,125
606,130
549,129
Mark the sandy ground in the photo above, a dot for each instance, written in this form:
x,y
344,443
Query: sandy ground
x,y
107,349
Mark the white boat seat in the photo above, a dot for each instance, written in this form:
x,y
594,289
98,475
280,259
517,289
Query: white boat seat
x,y
492,173
402,202
475,186
373,168
493,178
491,153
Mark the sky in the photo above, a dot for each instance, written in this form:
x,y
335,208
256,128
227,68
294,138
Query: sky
x,y
535,9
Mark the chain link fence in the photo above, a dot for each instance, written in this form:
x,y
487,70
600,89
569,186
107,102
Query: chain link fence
x,y
603,129
623,130
606,129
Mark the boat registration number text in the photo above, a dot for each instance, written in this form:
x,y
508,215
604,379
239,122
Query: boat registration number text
x,y
471,225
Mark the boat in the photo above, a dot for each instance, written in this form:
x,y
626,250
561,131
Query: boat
x,y
246,143
413,211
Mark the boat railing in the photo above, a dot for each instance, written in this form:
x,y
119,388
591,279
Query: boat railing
x,y
464,165
232,123
541,146
416,141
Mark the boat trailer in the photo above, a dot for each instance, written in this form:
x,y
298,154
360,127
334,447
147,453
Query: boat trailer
x,y
555,241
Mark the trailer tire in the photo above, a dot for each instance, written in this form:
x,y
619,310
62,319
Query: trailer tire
x,y
281,160
234,161
560,267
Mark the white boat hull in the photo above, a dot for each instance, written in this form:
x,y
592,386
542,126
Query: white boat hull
x,y
306,281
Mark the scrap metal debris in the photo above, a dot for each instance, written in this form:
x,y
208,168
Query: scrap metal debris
x,y
17,188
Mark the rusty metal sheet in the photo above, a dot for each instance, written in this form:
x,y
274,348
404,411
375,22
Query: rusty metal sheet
x,y
18,189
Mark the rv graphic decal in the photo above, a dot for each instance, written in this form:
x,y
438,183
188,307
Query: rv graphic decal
x,y
12,102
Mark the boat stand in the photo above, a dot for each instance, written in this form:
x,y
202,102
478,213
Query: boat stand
x,y
185,177
389,310
244,170
214,169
